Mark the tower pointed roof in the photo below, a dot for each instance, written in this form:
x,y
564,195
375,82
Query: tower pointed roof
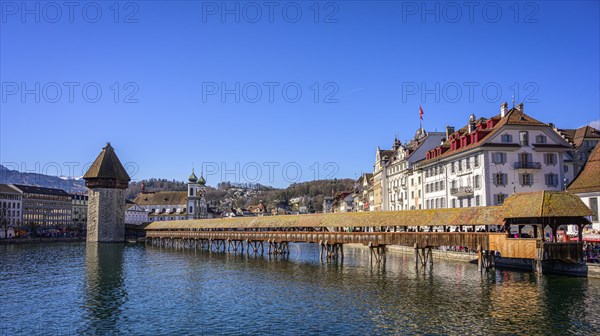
x,y
107,171
201,180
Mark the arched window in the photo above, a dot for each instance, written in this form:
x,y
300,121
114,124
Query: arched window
x,y
191,209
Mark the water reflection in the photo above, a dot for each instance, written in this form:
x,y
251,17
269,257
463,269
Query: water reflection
x,y
137,290
104,288
562,294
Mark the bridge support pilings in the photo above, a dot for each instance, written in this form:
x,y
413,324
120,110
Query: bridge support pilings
x,y
331,251
377,253
537,262
486,259
278,248
423,256
216,245
235,245
254,246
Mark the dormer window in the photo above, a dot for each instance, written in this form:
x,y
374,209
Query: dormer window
x,y
541,139
524,138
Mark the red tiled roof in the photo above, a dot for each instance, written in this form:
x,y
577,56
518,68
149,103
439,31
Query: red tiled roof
x,y
512,117
577,136
588,179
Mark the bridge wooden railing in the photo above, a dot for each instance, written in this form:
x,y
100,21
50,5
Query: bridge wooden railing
x,y
563,251
423,239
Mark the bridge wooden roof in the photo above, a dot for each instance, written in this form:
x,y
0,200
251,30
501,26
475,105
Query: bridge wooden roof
x,y
545,204
557,207
456,216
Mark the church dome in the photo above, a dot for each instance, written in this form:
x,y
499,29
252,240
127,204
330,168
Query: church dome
x,y
193,178
202,181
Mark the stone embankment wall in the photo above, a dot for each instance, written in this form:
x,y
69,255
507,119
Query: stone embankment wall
x,y
437,254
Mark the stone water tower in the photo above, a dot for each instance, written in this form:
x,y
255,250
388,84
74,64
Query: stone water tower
x,y
107,180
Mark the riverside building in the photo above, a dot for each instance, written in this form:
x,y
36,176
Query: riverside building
x,y
485,161
45,208
11,204
176,205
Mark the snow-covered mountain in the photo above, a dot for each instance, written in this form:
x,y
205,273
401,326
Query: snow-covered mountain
x,y
69,184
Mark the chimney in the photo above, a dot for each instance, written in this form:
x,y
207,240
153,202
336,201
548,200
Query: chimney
x,y
471,123
449,130
503,109
520,107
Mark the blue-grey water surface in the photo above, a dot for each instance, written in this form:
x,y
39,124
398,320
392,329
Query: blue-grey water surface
x,y
57,289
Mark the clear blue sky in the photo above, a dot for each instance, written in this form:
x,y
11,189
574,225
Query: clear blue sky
x,y
371,62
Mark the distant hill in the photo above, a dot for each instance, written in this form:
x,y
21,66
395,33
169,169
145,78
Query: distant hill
x,y
72,185
313,193
229,195
153,185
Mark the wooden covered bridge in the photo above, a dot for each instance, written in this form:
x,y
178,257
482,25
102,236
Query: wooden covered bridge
x,y
483,229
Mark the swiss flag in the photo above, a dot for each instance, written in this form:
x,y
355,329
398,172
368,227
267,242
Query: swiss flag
x,y
421,112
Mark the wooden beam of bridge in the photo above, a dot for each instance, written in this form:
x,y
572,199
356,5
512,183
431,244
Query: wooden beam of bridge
x,y
492,215
472,240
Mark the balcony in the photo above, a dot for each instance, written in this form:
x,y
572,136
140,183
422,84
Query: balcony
x,y
461,191
528,165
464,171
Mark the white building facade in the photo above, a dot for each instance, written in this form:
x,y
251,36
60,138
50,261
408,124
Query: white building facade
x,y
403,175
136,215
11,205
484,162
176,205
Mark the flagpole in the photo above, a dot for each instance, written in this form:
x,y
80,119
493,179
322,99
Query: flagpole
x,y
421,118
